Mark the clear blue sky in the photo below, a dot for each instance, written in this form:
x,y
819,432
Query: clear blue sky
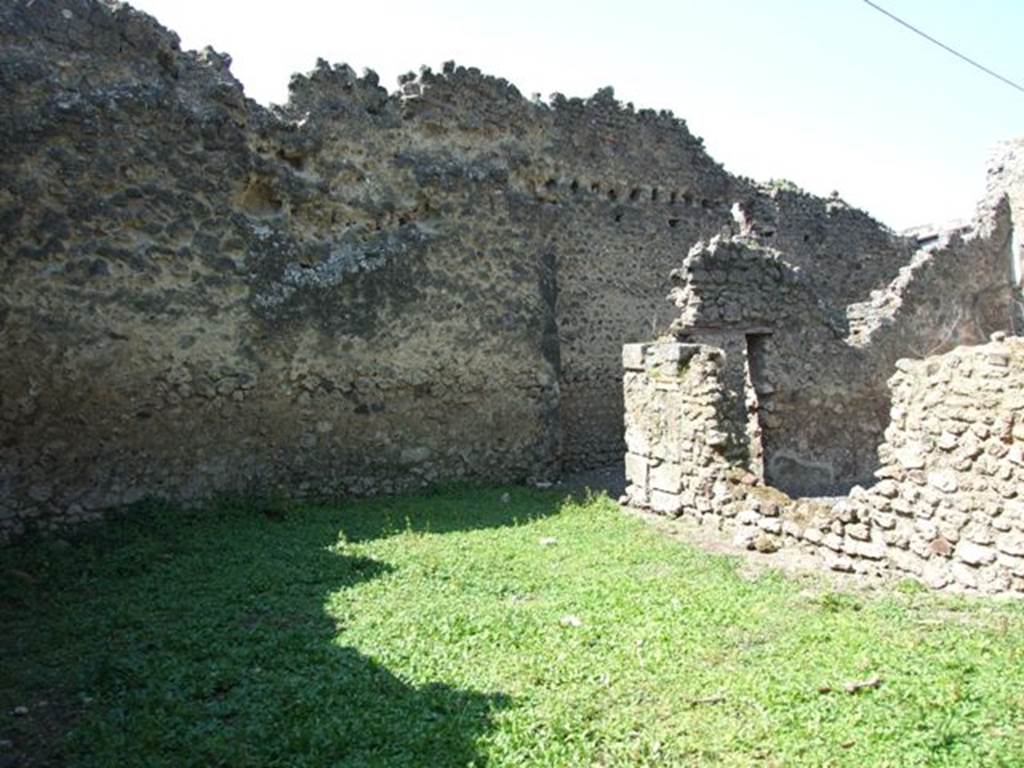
x,y
827,93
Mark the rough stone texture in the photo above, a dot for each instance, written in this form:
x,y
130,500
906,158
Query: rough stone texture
x,y
787,397
675,406
1006,177
200,296
357,292
953,468
945,508
817,367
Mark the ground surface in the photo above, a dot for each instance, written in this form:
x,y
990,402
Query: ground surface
x,y
499,626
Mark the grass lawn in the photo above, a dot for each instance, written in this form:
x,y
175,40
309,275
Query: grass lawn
x,y
456,628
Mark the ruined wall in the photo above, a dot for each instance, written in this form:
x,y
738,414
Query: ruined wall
x,y
958,290
360,291
785,405
840,251
1006,177
676,426
199,296
816,399
818,366
948,501
624,191
945,508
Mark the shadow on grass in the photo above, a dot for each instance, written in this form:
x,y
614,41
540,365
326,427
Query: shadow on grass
x,y
171,639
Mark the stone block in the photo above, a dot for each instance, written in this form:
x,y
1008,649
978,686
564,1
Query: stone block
x,y
1016,455
936,574
833,542
979,533
965,575
944,480
667,476
636,496
637,441
745,537
636,469
1011,563
633,356
897,539
975,554
792,530
871,550
666,503
1011,543
858,531
940,546
748,516
886,488
911,456
839,563
993,582
883,520
905,561
813,535
668,358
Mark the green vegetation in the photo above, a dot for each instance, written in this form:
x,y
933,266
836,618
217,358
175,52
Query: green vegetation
x,y
469,628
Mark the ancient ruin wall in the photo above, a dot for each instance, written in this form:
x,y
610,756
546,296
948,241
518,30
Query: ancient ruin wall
x,y
359,291
818,367
1006,177
676,426
840,251
196,300
946,507
949,502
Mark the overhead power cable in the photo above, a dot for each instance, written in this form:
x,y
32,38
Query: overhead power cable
x,y
942,45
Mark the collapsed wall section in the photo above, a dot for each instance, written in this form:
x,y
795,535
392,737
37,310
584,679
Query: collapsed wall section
x,y
819,366
841,251
812,396
798,400
946,507
958,290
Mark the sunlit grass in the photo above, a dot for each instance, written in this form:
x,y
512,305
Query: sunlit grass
x,y
457,628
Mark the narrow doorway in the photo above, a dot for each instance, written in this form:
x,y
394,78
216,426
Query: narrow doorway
x,y
757,394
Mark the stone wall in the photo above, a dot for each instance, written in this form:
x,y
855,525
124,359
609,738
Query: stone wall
x,y
767,402
948,501
839,250
357,292
818,366
676,433
200,296
1006,177
946,505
